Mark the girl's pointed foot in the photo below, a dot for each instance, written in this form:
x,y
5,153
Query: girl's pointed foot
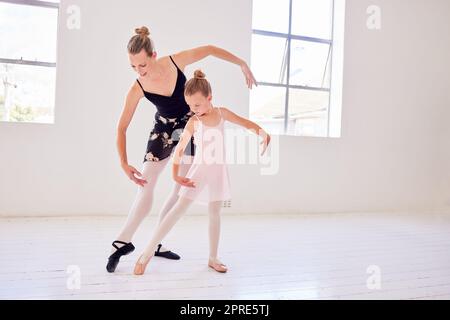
x,y
141,264
217,266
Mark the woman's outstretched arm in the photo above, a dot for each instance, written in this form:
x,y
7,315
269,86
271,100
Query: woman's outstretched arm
x,y
132,100
186,57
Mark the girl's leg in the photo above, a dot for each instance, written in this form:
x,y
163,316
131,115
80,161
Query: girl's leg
x,y
161,231
214,228
214,209
143,200
173,197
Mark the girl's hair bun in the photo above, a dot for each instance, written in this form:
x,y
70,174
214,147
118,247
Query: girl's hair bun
x,y
198,74
142,31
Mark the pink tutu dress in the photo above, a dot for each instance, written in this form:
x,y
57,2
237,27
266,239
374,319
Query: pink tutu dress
x,y
208,170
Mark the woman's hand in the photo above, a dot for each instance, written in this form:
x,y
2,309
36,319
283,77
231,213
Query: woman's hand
x,y
265,142
131,171
249,78
184,181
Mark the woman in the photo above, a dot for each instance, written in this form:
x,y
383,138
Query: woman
x,y
161,80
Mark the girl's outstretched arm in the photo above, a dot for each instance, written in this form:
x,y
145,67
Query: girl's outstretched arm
x,y
186,57
185,137
250,125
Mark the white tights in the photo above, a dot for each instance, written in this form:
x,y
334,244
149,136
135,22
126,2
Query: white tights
x,y
144,198
174,215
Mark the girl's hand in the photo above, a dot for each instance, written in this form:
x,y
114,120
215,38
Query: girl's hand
x,y
249,78
185,181
265,142
131,171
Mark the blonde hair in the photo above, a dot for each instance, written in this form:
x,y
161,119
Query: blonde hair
x,y
198,84
141,41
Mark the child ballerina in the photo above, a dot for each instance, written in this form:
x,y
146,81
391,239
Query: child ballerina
x,y
207,180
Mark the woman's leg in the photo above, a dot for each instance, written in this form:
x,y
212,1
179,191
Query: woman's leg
x,y
163,229
143,200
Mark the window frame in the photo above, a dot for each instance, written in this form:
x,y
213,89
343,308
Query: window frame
x,y
289,37
35,3
21,61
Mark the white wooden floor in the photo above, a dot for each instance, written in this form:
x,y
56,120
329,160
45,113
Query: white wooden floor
x,y
270,257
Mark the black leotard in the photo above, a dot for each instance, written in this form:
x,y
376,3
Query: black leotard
x,y
173,106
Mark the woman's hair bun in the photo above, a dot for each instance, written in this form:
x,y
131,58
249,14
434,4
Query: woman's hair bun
x,y
142,31
198,74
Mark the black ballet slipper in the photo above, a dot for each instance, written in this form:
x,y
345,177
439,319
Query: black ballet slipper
x,y
166,254
113,259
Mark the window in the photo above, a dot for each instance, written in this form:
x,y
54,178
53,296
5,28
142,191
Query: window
x,y
28,33
294,59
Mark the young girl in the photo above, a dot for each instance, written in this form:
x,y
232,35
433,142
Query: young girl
x,y
207,180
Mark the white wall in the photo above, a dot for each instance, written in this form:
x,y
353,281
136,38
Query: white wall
x,y
393,153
